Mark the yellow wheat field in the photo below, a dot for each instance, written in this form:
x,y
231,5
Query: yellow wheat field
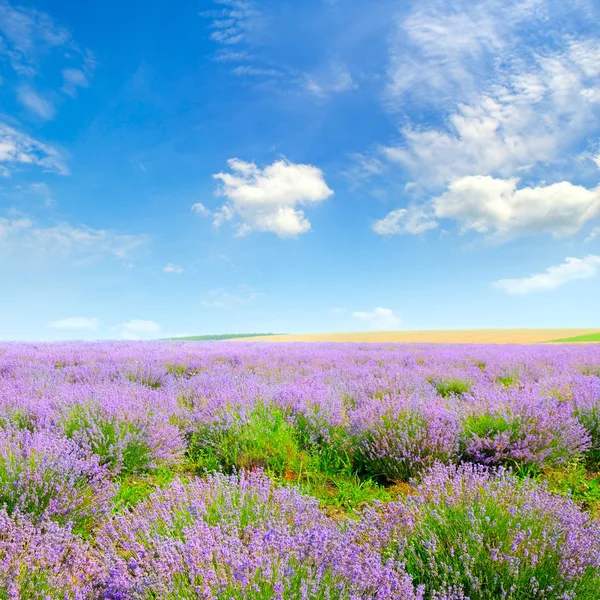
x,y
458,336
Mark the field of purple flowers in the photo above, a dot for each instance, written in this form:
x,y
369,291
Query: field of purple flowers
x,y
300,471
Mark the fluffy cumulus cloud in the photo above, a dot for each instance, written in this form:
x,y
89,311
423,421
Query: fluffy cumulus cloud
x,y
553,277
19,150
23,240
174,269
378,319
75,323
500,209
138,329
269,199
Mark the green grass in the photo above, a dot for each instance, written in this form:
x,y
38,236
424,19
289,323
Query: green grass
x,y
266,439
589,337
578,482
220,336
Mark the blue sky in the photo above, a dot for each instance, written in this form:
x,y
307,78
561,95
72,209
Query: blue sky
x,y
274,165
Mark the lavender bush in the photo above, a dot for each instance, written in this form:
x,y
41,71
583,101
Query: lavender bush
x,y
44,560
47,476
472,533
241,537
519,428
399,437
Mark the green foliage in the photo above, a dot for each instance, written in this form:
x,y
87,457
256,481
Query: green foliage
x,y
508,379
487,424
134,489
449,387
575,481
285,449
589,337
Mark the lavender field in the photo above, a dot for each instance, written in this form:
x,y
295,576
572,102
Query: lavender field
x,y
299,471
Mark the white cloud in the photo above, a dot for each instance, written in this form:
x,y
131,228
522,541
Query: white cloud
x,y
506,101
221,298
268,199
73,323
248,70
533,116
28,34
74,79
501,211
595,233
171,268
200,209
21,239
42,190
32,101
496,207
596,160
17,149
413,220
554,277
334,79
379,318
429,57
234,23
138,329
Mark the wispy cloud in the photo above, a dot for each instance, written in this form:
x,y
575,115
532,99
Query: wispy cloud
x,y
28,34
334,78
444,47
17,149
35,103
75,323
595,233
249,35
533,116
226,299
201,210
138,329
554,277
43,191
173,269
79,77
414,220
32,42
23,240
268,199
378,318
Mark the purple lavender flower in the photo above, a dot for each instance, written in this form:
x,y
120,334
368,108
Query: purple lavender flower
x,y
518,427
241,537
48,476
45,560
397,437
468,532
